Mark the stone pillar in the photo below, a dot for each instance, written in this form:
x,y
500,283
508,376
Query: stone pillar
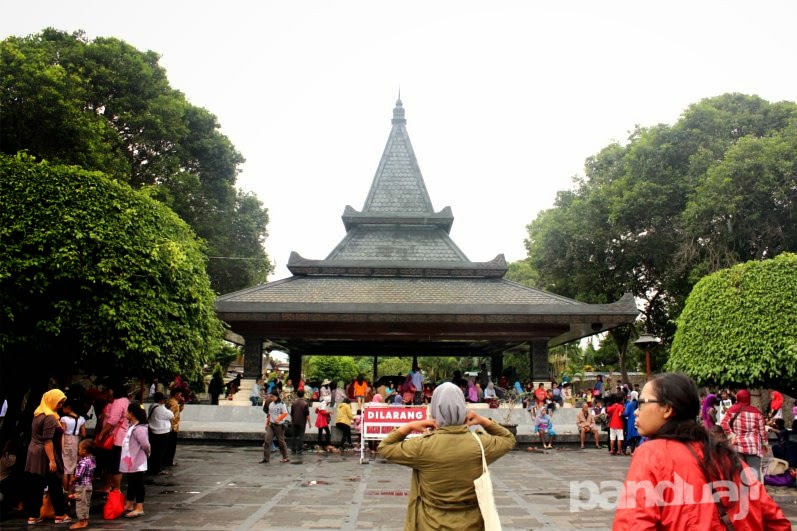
x,y
295,368
496,367
540,369
253,357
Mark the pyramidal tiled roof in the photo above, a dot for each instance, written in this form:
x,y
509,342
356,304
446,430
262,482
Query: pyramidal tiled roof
x,y
398,233
398,187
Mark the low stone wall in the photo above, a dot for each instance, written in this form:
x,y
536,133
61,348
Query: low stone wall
x,y
206,422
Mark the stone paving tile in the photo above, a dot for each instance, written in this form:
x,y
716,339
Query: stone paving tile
x,y
218,487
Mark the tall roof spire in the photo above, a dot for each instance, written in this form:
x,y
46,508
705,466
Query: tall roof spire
x,y
398,112
397,233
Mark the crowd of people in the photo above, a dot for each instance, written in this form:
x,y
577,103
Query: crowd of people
x,y
708,439
59,465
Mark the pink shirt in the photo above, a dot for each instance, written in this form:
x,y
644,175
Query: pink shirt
x,y
117,418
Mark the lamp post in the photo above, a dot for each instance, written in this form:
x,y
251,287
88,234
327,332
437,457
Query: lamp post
x,y
646,342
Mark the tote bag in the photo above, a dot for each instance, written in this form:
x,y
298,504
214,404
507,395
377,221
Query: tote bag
x,y
484,493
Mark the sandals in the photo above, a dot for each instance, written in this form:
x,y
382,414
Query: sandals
x,y
134,514
34,521
285,460
63,519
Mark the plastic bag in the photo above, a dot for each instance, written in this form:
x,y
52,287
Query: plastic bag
x,y
114,506
47,510
106,442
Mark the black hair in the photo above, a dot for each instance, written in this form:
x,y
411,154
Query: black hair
x,y
158,396
119,390
679,392
138,411
300,393
88,445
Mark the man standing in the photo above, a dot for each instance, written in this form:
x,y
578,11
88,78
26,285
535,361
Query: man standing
x,y
417,382
175,405
159,420
484,376
615,415
300,419
275,428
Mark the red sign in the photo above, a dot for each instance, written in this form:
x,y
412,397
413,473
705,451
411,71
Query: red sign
x,y
378,421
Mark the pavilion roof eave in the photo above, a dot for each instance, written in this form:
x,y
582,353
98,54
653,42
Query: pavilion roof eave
x,y
495,268
443,219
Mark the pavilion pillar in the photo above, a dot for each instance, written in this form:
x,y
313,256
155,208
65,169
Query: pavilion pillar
x,y
496,367
375,371
295,368
538,354
253,357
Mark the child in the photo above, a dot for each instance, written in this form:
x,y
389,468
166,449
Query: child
x,y
322,424
133,462
544,428
74,427
358,421
81,482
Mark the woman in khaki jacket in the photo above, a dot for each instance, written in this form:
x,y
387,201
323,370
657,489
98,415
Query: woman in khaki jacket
x,y
445,461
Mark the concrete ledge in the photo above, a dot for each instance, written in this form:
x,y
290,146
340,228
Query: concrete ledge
x,y
247,423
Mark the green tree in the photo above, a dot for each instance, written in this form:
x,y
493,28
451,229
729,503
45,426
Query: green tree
x,y
96,277
644,217
523,272
336,368
103,105
394,366
739,327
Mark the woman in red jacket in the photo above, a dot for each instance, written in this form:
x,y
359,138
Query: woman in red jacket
x,y
674,475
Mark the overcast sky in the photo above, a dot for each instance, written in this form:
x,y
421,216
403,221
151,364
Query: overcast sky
x,y
504,100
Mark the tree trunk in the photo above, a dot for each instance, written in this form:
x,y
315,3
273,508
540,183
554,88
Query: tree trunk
x,y
621,335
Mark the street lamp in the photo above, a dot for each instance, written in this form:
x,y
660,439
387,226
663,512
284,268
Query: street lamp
x,y
646,342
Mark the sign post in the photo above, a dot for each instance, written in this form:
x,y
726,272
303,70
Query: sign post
x,y
381,419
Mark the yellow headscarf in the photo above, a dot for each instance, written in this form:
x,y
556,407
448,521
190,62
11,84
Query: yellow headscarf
x,y
49,403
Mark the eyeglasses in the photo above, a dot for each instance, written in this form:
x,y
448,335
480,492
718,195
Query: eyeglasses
x,y
649,401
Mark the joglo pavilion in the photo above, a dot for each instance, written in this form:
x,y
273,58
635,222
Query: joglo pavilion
x,y
398,285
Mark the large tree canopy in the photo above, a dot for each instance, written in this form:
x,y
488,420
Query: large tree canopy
x,y
96,277
739,326
674,203
104,105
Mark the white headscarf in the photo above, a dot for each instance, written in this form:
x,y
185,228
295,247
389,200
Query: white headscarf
x,y
448,405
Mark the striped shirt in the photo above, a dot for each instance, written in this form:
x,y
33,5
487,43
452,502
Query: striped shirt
x,y
84,473
747,434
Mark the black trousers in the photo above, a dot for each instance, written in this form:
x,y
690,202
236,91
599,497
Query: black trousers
x,y
34,491
327,437
346,430
158,442
170,450
135,487
297,438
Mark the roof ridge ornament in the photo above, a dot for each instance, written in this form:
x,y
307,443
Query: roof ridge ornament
x,y
398,112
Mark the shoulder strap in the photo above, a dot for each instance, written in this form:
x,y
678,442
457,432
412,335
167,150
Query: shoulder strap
x,y
484,461
725,518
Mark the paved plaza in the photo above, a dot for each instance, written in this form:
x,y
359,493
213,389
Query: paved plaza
x,y
223,487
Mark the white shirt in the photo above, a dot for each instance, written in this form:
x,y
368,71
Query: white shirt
x,y
160,419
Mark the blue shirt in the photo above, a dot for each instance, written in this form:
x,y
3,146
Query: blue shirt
x,y
417,380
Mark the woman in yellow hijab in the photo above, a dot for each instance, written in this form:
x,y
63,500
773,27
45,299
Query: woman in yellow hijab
x,y
45,465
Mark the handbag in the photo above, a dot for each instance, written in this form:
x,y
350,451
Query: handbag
x,y
104,443
114,506
484,494
47,510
